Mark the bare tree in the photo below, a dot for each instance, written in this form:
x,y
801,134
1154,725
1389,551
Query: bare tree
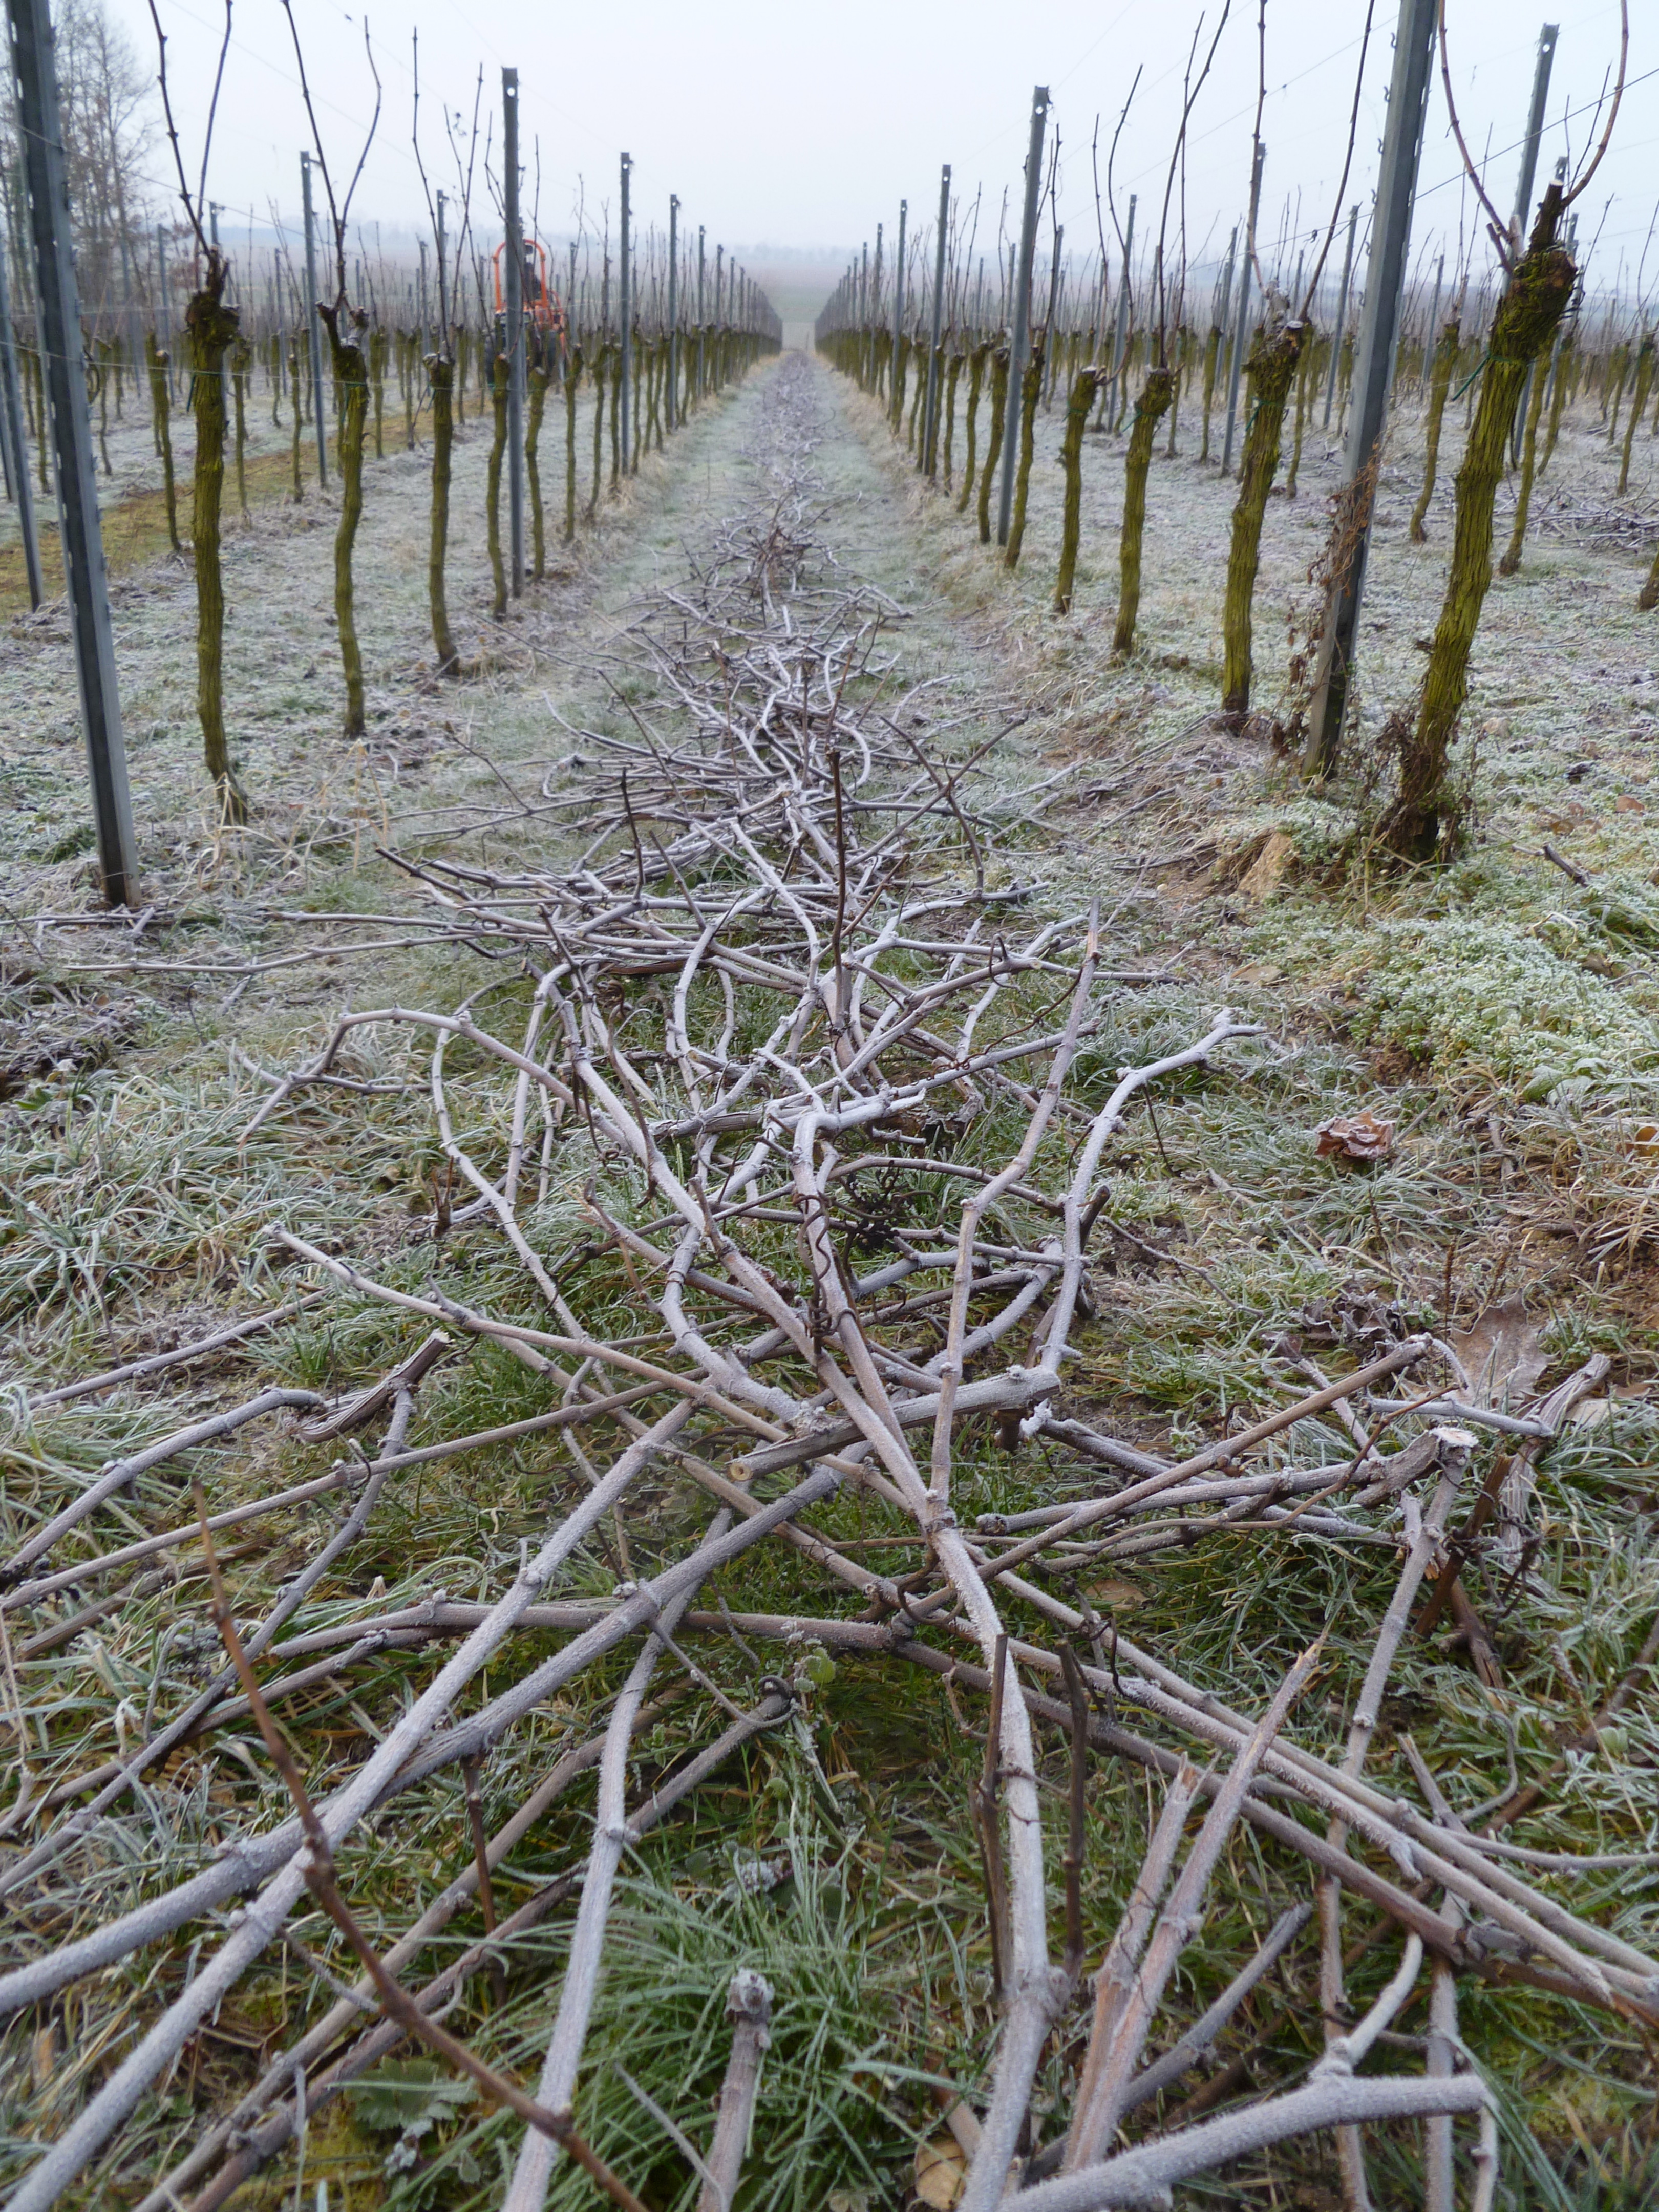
x,y
212,331
344,325
1158,393
1270,370
1427,818
107,100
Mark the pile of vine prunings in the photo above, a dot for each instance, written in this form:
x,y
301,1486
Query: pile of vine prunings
x,y
774,1128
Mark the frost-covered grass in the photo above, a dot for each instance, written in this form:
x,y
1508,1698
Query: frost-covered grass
x,y
1503,1016
1434,1001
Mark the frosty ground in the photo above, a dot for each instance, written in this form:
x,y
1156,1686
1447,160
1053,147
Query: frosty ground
x,y
1499,1013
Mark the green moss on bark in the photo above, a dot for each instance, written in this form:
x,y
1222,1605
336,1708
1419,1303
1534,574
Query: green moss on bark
x,y
1446,361
160,401
998,416
976,361
440,376
493,486
1085,385
1269,371
1030,391
210,327
351,378
1157,396
1425,817
1511,560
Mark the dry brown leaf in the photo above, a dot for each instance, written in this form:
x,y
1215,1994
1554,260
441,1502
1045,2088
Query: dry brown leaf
x,y
1359,1136
1500,1351
941,2172
1267,871
1590,1413
1119,1595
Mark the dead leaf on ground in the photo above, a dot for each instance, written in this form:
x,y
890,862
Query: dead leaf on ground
x,y
1355,1317
1119,1596
941,2172
1267,871
1590,1413
1500,1351
1359,1136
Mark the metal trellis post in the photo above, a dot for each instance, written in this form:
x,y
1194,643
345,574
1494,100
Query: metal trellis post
x,y
1341,317
898,310
1120,339
1242,328
1379,328
1540,91
59,310
1540,87
1020,344
514,292
670,409
625,309
313,323
929,457
443,283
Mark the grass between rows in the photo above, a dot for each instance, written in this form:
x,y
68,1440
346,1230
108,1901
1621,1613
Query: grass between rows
x,y
837,1857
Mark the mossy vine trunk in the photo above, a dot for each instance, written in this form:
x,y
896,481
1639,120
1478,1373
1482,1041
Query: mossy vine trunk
x,y
901,364
1638,408
1446,361
572,371
1085,385
378,345
440,377
1303,372
637,434
1269,371
1156,397
1559,384
994,445
299,413
161,403
43,455
601,370
351,382
241,360
1423,818
952,375
493,486
977,362
1030,391
210,328
100,376
1511,560
1211,356
616,421
537,378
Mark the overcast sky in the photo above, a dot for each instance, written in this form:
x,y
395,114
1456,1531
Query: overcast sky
x,y
790,126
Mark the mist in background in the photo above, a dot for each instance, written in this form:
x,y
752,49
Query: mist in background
x,y
789,134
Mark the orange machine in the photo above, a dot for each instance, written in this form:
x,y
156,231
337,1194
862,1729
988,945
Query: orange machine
x,y
543,309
